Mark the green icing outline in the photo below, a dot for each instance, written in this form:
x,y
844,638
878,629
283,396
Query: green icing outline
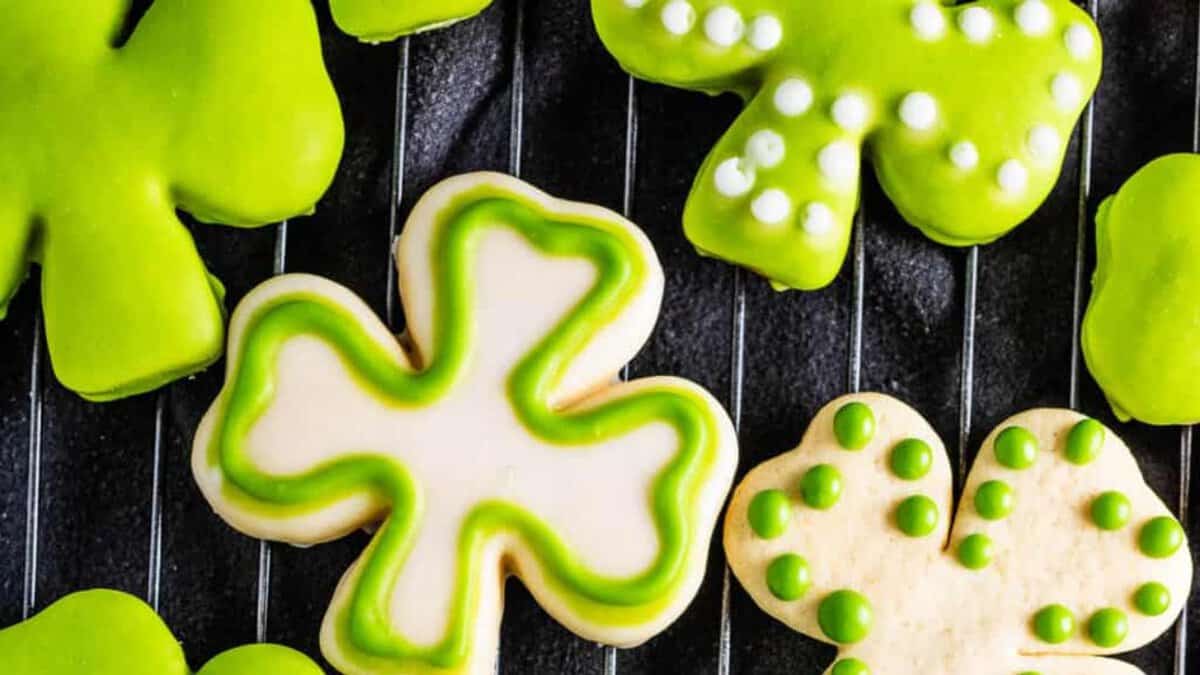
x,y
611,601
384,20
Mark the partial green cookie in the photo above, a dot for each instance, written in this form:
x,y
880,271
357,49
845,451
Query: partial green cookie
x,y
219,108
383,20
110,633
965,110
1140,336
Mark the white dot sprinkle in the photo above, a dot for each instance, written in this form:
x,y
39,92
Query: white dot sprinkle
x,y
766,32
793,97
724,26
838,161
678,17
1044,142
635,4
766,149
919,111
1067,91
850,112
1033,17
977,24
1080,41
818,219
964,155
734,178
1012,176
771,206
928,20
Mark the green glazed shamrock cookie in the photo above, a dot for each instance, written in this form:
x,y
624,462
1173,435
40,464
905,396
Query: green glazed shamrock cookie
x,y
383,20
110,633
219,108
1059,554
492,439
965,112
1139,333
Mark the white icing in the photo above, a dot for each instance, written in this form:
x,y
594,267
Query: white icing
x,y
771,206
1012,176
766,149
838,161
1079,41
724,26
977,24
850,112
766,32
678,17
1067,91
1044,142
793,97
733,178
928,20
818,219
919,111
1033,17
964,155
635,4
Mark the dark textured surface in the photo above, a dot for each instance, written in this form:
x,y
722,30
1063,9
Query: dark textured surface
x,y
97,469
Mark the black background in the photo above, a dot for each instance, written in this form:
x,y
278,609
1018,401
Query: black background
x,y
97,464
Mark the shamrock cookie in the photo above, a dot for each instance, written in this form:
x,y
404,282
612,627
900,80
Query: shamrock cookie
x,y
383,20
493,439
1059,553
965,110
1139,332
110,633
220,108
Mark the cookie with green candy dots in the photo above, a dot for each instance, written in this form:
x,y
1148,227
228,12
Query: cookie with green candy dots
x,y
383,20
221,108
1139,333
965,110
104,632
493,439
1059,555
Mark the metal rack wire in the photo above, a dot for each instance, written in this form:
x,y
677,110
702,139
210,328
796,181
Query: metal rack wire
x,y
737,362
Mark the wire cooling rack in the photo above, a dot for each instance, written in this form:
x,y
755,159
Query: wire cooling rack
x,y
102,495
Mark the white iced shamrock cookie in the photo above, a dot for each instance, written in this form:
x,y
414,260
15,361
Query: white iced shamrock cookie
x,y
1060,552
493,438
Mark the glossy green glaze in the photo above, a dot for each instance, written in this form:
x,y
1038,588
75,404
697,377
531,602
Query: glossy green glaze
x,y
1139,334
789,577
845,616
1152,599
850,667
382,20
911,459
770,513
994,500
782,202
1054,624
220,108
1161,537
1084,442
1111,511
362,626
854,425
917,516
821,486
1016,448
1108,627
975,551
110,633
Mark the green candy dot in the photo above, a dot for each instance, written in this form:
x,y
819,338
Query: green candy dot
x,y
1016,448
770,512
1054,624
1152,599
854,425
1161,537
821,486
975,552
1111,511
850,667
1084,442
911,459
788,577
1108,627
845,616
917,516
994,500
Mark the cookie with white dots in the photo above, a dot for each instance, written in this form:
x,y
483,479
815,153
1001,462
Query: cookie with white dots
x,y
965,112
1059,555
